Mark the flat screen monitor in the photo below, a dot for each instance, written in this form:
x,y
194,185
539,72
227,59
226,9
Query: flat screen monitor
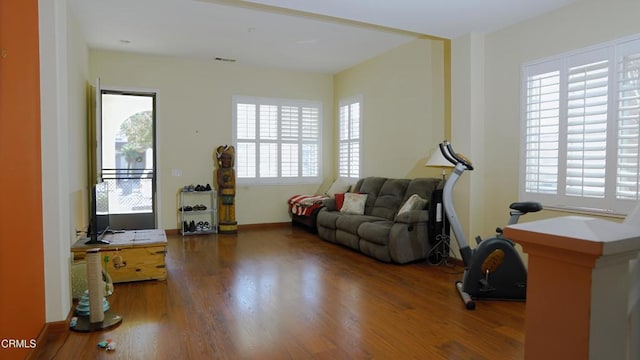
x,y
99,214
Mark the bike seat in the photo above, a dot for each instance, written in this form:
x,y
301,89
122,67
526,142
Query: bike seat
x,y
526,206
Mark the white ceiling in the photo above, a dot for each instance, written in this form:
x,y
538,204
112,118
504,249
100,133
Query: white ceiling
x,y
308,35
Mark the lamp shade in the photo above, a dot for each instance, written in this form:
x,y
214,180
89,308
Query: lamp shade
x,y
438,160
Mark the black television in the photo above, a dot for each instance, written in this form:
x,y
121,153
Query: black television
x,y
99,213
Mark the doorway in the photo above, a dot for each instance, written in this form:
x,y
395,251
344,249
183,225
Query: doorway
x,y
128,160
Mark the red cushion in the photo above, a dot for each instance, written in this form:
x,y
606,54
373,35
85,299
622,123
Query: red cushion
x,y
339,200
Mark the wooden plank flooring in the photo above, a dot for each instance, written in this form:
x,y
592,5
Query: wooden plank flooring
x,y
282,293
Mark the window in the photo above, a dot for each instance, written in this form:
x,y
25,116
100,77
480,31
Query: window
x,y
350,135
278,141
581,129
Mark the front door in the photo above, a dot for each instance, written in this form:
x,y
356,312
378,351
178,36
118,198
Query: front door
x,y
128,159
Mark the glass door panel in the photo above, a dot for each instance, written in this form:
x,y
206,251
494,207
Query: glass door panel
x,y
128,158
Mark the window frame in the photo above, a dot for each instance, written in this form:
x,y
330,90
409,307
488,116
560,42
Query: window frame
x,y
278,141
614,53
350,175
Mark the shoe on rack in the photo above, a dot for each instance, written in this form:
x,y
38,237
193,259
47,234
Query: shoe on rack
x,y
185,227
207,188
206,226
192,226
199,226
188,208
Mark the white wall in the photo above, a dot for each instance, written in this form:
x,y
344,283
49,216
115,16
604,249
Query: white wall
x,y
582,24
194,112
63,71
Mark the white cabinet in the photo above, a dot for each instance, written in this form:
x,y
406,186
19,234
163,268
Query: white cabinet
x,y
198,213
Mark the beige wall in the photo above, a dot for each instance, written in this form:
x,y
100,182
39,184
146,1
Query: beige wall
x,y
194,117
467,129
402,105
497,147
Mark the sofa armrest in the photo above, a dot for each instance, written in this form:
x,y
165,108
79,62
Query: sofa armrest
x,y
412,217
330,204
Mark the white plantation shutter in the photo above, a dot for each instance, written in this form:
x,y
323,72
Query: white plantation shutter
x,y
310,142
344,160
246,135
581,129
269,160
268,122
354,116
310,123
349,139
310,159
354,159
542,127
289,160
246,121
245,160
289,123
628,146
288,146
587,95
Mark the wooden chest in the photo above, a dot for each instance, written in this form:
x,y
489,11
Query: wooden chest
x,y
130,256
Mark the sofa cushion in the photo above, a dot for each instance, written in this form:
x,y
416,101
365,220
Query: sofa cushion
x,y
370,186
350,222
412,217
339,200
347,239
389,199
376,232
354,203
424,187
414,202
328,219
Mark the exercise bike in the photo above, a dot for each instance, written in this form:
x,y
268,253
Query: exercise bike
x,y
493,269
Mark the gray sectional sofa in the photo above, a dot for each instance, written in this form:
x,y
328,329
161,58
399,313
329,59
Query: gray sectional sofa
x,y
380,232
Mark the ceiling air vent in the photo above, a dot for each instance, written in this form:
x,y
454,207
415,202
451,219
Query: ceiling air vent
x,y
225,59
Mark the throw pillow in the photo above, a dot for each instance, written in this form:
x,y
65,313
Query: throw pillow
x,y
339,201
338,186
354,203
414,202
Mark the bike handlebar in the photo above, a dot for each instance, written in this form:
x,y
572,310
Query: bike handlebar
x,y
453,157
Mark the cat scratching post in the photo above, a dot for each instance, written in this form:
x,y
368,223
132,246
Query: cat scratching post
x,y
96,288
97,319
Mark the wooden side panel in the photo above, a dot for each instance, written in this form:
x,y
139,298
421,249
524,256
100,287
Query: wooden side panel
x,y
135,264
130,263
22,294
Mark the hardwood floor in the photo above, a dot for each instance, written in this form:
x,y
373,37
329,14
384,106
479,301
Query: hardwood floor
x,y
282,293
